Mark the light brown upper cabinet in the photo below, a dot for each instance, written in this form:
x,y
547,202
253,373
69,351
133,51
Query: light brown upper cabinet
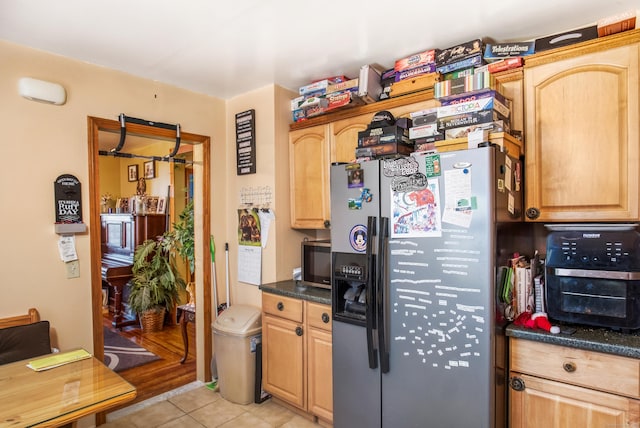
x,y
581,131
309,177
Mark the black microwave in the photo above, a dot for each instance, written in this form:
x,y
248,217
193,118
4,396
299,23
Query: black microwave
x,y
316,263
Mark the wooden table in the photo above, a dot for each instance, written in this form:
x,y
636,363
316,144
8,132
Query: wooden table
x,y
58,396
187,314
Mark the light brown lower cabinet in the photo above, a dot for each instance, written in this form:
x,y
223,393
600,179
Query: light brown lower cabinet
x,y
297,354
552,386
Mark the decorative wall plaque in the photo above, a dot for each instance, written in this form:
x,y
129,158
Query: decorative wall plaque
x,y
246,142
68,199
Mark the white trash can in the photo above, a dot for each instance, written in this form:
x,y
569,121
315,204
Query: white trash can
x,y
236,332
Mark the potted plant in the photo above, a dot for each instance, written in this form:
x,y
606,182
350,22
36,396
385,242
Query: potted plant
x,y
183,232
156,283
185,245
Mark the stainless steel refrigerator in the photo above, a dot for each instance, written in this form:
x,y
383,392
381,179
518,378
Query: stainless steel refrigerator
x,y
414,260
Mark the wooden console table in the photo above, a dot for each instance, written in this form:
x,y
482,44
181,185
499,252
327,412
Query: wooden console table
x,y
186,314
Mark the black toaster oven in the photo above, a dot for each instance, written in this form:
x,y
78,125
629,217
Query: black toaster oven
x,y
592,275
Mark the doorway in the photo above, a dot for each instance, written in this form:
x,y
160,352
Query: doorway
x,y
102,130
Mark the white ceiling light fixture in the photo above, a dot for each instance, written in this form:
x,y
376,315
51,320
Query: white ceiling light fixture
x,y
42,91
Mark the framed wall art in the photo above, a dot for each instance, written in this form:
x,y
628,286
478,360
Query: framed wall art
x,y
150,169
162,205
132,172
152,204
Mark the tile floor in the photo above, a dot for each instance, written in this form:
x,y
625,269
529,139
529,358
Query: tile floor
x,y
196,406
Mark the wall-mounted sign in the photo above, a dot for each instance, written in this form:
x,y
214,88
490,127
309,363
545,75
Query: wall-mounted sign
x,y
246,142
68,199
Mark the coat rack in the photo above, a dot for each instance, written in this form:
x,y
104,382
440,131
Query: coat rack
x,y
257,196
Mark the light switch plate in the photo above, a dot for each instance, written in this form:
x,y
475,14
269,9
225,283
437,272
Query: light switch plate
x,y
73,269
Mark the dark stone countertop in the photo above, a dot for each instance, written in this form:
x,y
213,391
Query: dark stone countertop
x,y
292,288
588,338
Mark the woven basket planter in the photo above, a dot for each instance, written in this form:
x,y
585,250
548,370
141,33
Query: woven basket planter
x,y
152,320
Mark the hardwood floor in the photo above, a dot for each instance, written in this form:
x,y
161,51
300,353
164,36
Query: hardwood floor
x,y
166,373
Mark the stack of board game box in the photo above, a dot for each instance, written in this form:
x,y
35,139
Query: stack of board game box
x,y
331,93
469,67
414,73
322,95
459,115
461,67
384,137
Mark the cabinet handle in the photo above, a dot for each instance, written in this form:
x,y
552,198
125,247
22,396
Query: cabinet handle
x,y
532,213
280,306
299,331
569,367
325,317
517,384
327,224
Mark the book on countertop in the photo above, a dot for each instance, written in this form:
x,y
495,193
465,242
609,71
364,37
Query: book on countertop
x,y
57,360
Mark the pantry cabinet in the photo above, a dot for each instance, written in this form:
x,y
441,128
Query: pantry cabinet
x,y
296,352
582,137
316,143
553,386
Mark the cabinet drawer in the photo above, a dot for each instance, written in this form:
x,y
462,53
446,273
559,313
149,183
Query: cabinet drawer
x,y
319,315
281,306
612,373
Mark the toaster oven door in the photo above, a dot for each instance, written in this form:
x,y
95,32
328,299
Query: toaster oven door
x,y
594,297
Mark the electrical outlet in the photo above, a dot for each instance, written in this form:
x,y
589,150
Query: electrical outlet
x,y
73,269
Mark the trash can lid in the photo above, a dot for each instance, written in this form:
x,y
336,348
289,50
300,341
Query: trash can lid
x,y
241,320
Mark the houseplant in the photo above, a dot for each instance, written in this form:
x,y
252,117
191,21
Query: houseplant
x,y
183,232
185,246
156,282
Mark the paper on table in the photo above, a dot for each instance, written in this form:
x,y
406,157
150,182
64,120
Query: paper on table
x,y
57,360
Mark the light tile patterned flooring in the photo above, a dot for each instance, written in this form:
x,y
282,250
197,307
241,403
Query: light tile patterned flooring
x,y
196,406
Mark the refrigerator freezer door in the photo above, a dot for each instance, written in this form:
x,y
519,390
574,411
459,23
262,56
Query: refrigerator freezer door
x,y
441,279
351,203
355,209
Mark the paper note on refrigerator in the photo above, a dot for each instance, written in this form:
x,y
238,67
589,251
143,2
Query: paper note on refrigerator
x,y
458,201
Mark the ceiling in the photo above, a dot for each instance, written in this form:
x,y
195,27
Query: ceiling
x,y
224,49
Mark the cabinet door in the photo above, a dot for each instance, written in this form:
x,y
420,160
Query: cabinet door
x,y
283,364
582,142
320,372
344,137
117,234
543,403
309,177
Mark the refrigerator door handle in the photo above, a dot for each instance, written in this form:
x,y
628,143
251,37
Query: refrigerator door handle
x,y
381,283
370,308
